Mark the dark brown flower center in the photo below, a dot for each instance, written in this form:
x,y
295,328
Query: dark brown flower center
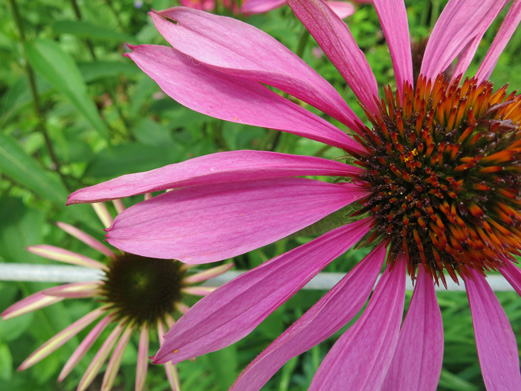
x,y
444,170
142,290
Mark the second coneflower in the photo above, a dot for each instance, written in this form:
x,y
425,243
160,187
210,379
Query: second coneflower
x,y
137,295
434,172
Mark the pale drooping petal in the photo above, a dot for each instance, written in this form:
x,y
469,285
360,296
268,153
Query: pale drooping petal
x,y
60,338
204,224
507,29
83,347
103,213
335,39
326,317
207,274
30,303
360,358
239,49
495,340
170,369
100,357
234,310
142,359
115,360
224,167
75,290
87,239
466,56
230,98
393,18
455,30
416,364
66,256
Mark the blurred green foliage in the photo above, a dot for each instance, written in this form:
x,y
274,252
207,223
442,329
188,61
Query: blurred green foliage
x,y
98,116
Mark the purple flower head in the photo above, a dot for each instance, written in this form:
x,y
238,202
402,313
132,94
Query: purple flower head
x,y
137,295
434,175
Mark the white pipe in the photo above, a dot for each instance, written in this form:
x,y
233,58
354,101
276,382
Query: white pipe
x,y
323,281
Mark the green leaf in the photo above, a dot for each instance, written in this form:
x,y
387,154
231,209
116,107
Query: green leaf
x,y
6,362
59,69
21,168
92,71
89,30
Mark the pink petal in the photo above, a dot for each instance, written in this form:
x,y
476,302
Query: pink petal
x,y
87,239
99,359
83,347
393,18
74,290
507,29
30,303
59,339
342,9
334,37
513,275
204,224
198,290
325,318
115,360
230,98
234,310
170,369
224,167
252,7
455,30
416,364
208,274
495,340
142,359
66,256
239,49
103,214
360,358
466,56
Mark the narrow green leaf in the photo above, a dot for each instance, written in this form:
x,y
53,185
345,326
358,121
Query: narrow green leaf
x,y
59,69
96,70
6,362
21,168
89,30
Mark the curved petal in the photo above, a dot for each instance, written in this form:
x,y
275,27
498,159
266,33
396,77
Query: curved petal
x,y
507,29
170,369
495,340
208,274
513,275
416,364
224,167
239,49
74,290
360,358
335,39
455,30
393,18
235,309
252,7
325,318
59,339
230,98
202,224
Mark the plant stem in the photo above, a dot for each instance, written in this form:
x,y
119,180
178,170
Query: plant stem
x,y
40,115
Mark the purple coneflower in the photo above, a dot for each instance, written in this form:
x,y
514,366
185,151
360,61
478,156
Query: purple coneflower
x,y
138,295
435,179
342,8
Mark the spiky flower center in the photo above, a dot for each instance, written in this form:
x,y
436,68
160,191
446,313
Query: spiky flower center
x,y
444,170
142,290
